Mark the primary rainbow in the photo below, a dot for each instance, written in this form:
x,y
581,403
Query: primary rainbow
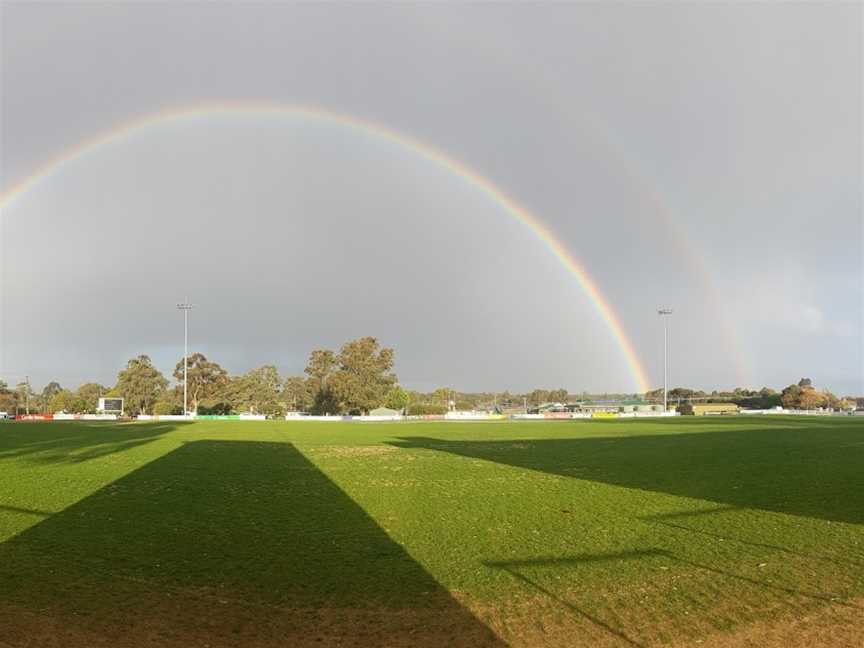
x,y
473,178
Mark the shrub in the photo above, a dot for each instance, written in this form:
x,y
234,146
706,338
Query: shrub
x,y
422,409
162,408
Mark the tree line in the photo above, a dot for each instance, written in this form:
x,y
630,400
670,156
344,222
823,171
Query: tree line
x,y
354,380
357,378
800,395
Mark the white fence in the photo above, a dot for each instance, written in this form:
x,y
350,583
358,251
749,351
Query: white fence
x,y
569,416
469,415
779,410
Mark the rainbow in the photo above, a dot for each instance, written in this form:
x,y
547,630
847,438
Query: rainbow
x,y
546,91
424,150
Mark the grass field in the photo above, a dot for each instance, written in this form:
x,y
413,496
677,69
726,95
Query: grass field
x,y
725,531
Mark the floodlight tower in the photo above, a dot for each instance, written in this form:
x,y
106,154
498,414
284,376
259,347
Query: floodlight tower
x,y
185,307
663,312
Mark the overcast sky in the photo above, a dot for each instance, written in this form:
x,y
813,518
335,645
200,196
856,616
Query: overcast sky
x,y
704,158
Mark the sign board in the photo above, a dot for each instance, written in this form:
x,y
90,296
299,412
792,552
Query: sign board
x,y
111,405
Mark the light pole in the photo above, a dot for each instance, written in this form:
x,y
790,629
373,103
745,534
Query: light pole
x,y
185,307
663,312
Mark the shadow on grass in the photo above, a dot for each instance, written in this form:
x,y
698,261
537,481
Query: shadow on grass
x,y
529,572
517,569
26,511
810,470
76,441
230,537
664,520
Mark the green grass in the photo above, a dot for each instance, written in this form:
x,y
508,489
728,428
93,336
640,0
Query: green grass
x,y
637,531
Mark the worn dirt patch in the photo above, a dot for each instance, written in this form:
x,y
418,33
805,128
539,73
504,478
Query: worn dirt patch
x,y
210,622
837,626
527,625
353,451
176,623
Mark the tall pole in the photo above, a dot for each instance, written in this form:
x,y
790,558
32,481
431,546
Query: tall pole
x,y
665,367
185,358
185,307
661,312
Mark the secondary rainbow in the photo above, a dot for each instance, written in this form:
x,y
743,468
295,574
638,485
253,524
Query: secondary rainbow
x,y
424,150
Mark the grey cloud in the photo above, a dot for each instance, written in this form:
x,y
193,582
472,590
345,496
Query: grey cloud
x,y
740,125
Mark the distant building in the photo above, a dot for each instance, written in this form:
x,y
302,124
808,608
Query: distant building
x,y
385,411
707,409
542,408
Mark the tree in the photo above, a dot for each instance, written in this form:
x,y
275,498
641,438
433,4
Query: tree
x,y
538,396
364,376
65,401
170,402
48,392
140,384
680,393
204,378
296,392
791,397
397,398
161,408
90,393
425,409
57,403
765,398
256,391
320,369
24,395
442,395
325,402
811,399
558,395
8,399
804,383
322,363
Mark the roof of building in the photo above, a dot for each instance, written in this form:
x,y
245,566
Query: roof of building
x,y
384,411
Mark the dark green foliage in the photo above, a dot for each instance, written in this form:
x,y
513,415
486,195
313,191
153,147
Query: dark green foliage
x,y
767,401
397,398
425,409
141,385
325,402
356,380
205,379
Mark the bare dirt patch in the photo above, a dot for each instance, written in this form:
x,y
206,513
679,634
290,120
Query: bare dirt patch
x,y
327,452
837,626
218,623
536,624
211,621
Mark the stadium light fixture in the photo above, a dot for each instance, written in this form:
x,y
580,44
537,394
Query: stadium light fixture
x,y
185,307
663,312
